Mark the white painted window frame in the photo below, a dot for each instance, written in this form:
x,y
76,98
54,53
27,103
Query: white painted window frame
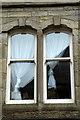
x,y
51,101
8,101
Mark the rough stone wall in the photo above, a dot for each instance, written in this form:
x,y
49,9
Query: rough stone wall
x,y
39,18
79,57
0,64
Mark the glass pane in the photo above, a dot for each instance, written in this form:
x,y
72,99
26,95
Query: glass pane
x,y
22,81
58,80
22,46
57,45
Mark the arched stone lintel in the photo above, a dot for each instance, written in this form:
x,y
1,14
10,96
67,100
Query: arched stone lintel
x,y
68,23
6,27
18,23
36,25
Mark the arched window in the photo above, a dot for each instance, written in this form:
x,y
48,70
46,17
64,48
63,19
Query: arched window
x,y
58,67
21,83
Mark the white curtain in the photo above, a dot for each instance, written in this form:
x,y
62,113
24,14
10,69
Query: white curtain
x,y
22,47
56,43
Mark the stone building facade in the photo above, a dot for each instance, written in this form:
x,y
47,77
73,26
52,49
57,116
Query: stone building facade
x,y
19,16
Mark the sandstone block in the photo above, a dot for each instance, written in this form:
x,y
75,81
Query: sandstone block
x,y
61,13
0,38
9,25
78,93
0,50
7,20
5,38
4,78
0,65
4,14
22,21
5,51
39,13
76,32
57,21
69,23
0,28
19,14
4,65
0,79
0,96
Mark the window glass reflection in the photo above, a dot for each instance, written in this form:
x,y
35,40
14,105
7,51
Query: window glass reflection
x,y
59,86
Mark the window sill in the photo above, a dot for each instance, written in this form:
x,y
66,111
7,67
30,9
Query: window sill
x,y
59,101
21,102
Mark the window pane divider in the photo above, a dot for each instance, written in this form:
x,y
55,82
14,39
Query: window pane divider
x,y
21,60
58,59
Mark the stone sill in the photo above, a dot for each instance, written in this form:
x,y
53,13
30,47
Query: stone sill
x,y
44,119
38,2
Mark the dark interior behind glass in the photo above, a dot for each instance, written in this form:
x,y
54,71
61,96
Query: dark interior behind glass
x,y
62,77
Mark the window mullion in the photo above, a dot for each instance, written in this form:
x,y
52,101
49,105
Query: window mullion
x,y
40,65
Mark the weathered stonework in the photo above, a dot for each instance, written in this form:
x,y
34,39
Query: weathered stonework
x,y
0,50
39,17
43,115
0,79
57,21
9,25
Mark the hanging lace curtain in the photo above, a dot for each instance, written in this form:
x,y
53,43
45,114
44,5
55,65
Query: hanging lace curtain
x,y
56,43
22,47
